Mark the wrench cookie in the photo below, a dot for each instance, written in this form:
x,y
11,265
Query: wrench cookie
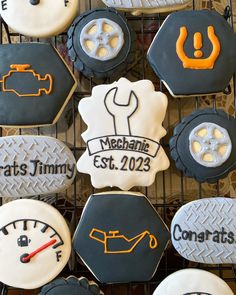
x,y
136,7
193,282
39,18
123,137
34,165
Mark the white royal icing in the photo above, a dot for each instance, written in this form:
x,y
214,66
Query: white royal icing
x,y
193,282
123,137
25,226
45,19
34,165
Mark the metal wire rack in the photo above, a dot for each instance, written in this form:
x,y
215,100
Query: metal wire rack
x,y
171,189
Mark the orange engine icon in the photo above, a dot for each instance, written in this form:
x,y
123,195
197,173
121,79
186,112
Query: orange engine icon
x,y
198,63
115,243
25,82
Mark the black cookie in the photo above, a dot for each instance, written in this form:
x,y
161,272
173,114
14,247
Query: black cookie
x,y
203,145
194,52
100,42
36,85
120,237
71,286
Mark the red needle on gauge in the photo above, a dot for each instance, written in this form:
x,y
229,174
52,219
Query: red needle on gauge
x,y
45,246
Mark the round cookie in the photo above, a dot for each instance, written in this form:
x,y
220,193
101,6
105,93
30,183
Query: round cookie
x,y
122,230
71,286
193,53
36,85
123,137
203,145
137,7
101,44
39,18
35,243
204,231
193,282
34,165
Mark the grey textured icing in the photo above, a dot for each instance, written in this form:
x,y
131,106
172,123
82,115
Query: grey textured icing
x,y
210,143
163,57
19,108
123,231
205,231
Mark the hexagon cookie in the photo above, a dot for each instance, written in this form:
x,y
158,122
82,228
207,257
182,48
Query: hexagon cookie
x,y
123,137
101,43
193,282
71,286
204,231
34,165
203,145
36,85
193,53
124,231
137,7
39,18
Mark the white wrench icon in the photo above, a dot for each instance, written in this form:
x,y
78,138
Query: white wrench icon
x,y
121,113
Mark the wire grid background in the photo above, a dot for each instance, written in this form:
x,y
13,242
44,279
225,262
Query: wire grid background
x,y
171,189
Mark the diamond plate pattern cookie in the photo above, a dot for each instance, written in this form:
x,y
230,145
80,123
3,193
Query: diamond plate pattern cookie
x,y
34,165
205,231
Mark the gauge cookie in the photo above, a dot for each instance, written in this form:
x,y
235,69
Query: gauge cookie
x,y
39,18
35,243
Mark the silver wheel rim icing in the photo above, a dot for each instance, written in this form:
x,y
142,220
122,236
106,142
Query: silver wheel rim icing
x,y
102,39
210,144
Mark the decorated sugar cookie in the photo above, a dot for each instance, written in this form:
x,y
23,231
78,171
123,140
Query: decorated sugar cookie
x,y
101,43
204,231
203,145
193,282
122,230
137,7
193,53
36,85
123,137
71,286
35,243
34,165
39,18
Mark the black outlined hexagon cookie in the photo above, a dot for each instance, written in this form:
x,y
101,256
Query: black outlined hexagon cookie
x,y
36,85
39,18
193,53
203,145
121,230
123,137
137,7
101,43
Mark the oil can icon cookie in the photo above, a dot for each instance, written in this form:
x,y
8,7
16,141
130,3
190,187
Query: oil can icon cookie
x,y
123,137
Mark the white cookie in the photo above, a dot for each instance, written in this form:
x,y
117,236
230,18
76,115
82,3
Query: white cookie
x,y
205,231
193,282
35,243
137,7
123,137
34,165
39,18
